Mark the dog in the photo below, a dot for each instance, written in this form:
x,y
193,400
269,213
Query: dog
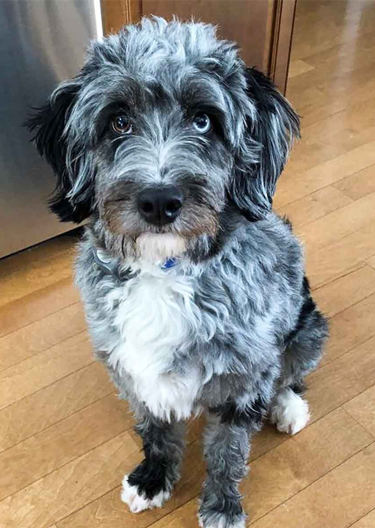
x,y
170,148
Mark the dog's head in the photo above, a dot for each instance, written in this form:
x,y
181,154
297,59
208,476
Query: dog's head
x,y
162,131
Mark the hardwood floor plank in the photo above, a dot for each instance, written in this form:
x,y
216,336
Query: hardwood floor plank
x,y
324,62
36,268
314,206
320,106
36,305
336,500
311,91
331,135
366,522
342,222
325,141
301,460
56,402
350,328
15,287
324,36
345,291
269,438
41,370
341,380
52,448
185,516
326,173
72,486
40,253
349,79
341,257
298,67
358,185
362,408
41,335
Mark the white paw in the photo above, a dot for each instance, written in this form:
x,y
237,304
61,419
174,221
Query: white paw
x,y
289,412
137,502
222,523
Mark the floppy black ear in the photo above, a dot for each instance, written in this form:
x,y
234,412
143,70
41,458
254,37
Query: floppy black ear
x,y
49,127
270,129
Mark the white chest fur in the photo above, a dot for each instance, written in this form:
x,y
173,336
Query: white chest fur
x,y
156,316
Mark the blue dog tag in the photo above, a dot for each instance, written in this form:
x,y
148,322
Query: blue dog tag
x,y
169,263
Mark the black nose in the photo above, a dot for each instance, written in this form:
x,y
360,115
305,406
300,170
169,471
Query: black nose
x,y
160,206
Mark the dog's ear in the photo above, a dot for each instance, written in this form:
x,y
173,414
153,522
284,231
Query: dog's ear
x,y
71,203
270,128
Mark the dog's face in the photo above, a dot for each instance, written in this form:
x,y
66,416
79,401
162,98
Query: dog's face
x,y
162,131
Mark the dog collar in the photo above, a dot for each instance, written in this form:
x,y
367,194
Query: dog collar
x,y
111,266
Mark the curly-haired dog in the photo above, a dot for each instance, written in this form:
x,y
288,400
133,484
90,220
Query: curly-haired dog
x,y
194,289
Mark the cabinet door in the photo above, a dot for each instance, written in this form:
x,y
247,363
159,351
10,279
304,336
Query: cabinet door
x,y
262,28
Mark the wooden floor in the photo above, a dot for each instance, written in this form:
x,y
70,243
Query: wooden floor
x,y
65,439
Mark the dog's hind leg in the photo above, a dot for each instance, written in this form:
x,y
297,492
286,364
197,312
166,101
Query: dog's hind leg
x,y
289,411
151,482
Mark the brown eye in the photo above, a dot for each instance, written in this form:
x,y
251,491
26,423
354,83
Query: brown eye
x,y
121,125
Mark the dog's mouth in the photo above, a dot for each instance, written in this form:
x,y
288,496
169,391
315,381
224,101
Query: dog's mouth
x,y
160,222
154,242
158,247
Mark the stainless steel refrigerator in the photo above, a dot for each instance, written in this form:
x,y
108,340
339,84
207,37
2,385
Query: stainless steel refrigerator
x,y
41,43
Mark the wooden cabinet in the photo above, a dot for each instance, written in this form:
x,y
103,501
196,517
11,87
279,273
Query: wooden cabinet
x,y
262,28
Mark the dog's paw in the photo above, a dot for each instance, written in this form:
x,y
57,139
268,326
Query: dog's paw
x,y
220,520
138,502
290,412
223,523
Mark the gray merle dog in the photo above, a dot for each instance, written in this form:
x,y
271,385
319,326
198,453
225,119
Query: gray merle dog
x,y
194,289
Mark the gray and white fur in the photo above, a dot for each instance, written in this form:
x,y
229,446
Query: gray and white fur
x,y
170,147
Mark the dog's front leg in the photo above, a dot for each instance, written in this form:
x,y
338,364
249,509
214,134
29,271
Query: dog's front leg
x,y
151,482
227,445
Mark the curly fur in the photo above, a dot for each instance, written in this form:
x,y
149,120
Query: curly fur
x,y
231,327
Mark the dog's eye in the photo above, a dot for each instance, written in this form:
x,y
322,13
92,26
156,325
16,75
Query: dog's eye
x,y
121,125
202,123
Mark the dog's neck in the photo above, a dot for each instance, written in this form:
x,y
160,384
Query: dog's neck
x,y
114,266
